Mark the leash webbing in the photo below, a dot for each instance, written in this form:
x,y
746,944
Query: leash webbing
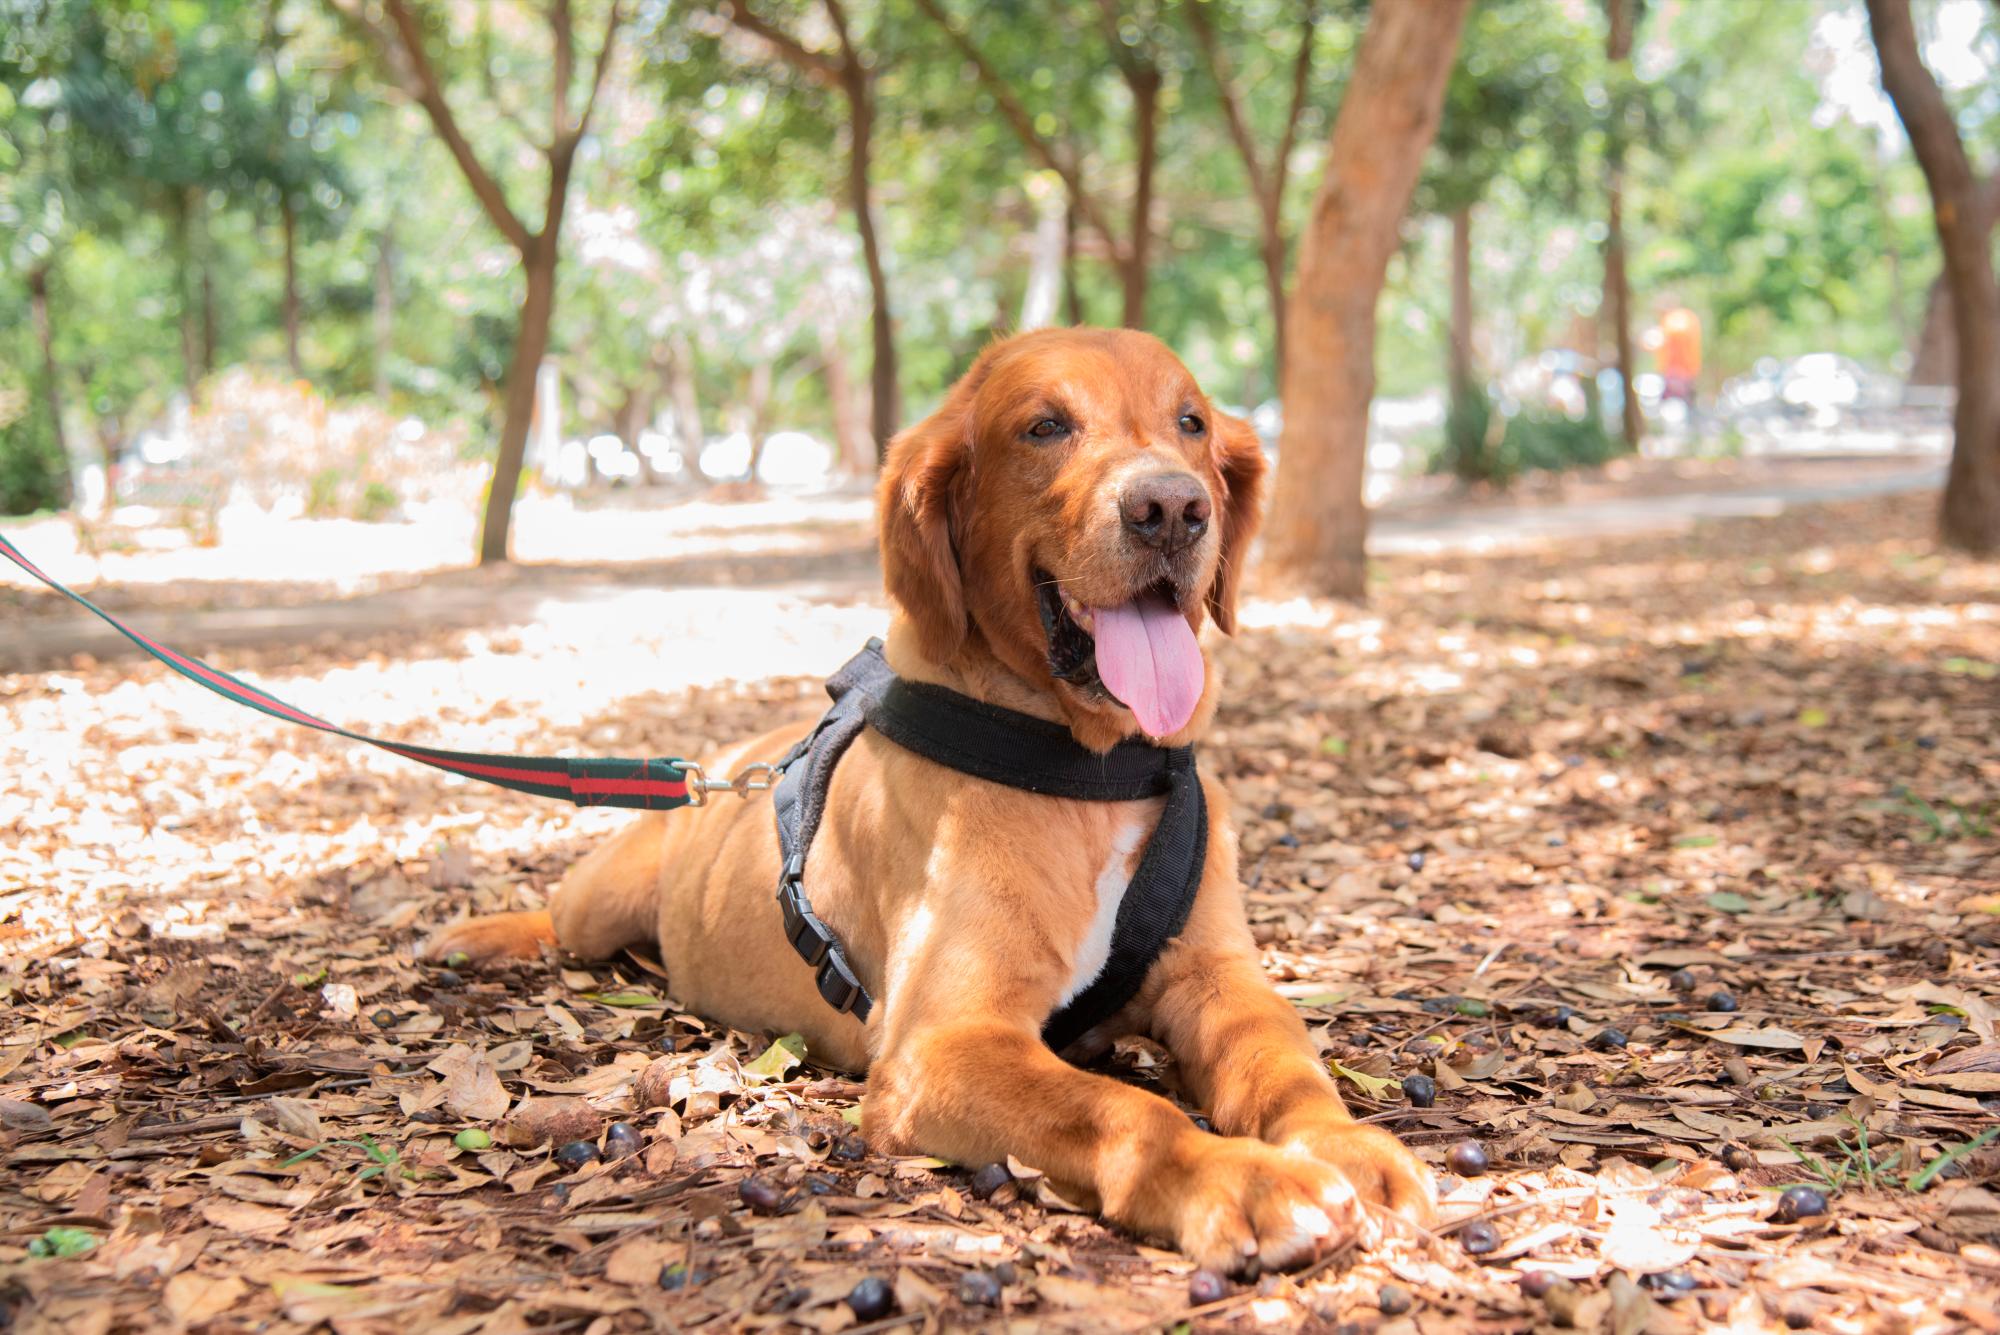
x,y
646,785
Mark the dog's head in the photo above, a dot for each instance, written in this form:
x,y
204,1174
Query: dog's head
x,y
1074,508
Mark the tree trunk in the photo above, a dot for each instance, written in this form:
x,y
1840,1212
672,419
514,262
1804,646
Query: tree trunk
x,y
1934,359
184,295
759,412
45,335
1969,516
385,311
289,219
1132,265
1072,297
687,404
850,428
1273,249
1617,287
1319,519
1461,374
1618,306
531,341
205,271
886,411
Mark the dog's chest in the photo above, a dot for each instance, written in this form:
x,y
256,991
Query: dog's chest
x,y
1113,876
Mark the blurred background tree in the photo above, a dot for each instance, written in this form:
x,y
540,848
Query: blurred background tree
x,y
687,228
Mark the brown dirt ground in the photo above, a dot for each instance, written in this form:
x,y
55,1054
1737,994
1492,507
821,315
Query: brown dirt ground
x,y
1485,821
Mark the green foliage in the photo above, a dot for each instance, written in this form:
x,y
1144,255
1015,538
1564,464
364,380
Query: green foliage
x,y
149,150
1483,446
33,473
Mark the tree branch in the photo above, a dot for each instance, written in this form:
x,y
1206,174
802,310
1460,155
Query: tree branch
x,y
836,14
604,50
1023,126
373,34
430,95
1281,167
1232,105
813,64
488,85
1128,64
562,28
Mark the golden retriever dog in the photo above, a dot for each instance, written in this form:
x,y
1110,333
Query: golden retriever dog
x,y
1076,495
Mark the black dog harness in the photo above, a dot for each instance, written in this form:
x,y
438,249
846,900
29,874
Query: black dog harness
x,y
1017,750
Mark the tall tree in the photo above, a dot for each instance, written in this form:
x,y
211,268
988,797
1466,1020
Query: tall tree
x,y
1970,514
1317,535
1267,177
854,78
396,31
1513,109
1139,65
1622,17
1934,356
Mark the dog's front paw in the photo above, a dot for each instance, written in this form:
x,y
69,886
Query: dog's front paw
x,y
492,939
1377,1165
1249,1204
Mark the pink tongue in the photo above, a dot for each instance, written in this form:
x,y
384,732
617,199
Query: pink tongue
x,y
1148,658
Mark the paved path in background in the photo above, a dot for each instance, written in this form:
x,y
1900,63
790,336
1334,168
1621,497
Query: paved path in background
x,y
1481,528
845,570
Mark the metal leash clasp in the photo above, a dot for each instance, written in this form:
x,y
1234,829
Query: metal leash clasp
x,y
757,777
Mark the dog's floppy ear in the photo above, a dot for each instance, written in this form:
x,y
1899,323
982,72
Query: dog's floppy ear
x,y
1240,460
917,503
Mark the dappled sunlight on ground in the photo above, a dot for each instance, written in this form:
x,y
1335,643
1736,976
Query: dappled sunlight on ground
x,y
1509,828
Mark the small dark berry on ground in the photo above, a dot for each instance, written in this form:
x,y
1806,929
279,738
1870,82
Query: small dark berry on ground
x,y
1205,1287
1800,1203
872,1299
1467,1158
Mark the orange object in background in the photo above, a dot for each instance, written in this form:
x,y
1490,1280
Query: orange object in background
x,y
1680,344
1679,353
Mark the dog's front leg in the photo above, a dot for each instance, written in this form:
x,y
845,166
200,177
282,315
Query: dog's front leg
x,y
1245,1055
964,1074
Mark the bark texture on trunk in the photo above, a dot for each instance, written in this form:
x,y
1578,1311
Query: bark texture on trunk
x,y
1969,516
1934,356
1617,286
288,218
1316,540
531,341
45,338
1462,378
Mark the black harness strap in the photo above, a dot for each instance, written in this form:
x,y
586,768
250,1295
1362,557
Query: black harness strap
x,y
1019,751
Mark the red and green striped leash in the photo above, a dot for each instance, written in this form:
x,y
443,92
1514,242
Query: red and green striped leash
x,y
647,785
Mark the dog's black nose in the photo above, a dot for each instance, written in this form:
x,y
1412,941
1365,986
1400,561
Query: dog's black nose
x,y
1166,511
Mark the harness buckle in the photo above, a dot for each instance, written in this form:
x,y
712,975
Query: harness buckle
x,y
806,933
838,986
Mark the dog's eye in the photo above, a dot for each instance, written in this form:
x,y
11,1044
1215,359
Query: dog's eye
x,y
1193,425
1048,429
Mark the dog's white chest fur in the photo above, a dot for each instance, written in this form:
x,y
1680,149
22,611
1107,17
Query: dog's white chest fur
x,y
1116,875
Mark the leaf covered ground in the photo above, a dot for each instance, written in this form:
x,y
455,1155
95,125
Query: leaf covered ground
x,y
1671,863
